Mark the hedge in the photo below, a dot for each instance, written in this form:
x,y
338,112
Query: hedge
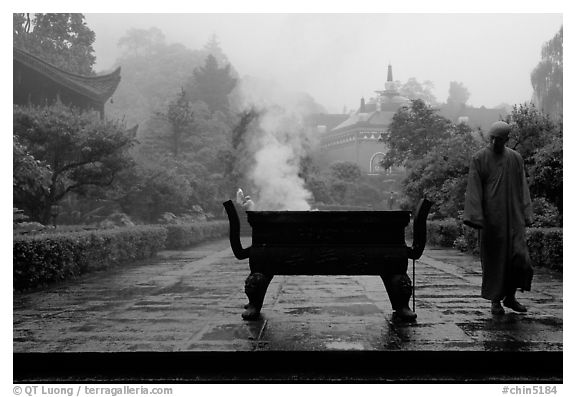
x,y
48,257
185,235
544,244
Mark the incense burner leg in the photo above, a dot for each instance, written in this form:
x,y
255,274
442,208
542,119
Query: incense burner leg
x,y
399,288
255,287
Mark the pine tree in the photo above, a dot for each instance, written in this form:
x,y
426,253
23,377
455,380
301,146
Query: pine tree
x,y
212,85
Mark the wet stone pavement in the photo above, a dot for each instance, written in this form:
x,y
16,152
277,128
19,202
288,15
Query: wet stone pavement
x,y
192,300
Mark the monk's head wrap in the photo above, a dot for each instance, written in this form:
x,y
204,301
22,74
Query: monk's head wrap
x,y
500,129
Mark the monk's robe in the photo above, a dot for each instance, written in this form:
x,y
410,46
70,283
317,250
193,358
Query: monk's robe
x,y
498,203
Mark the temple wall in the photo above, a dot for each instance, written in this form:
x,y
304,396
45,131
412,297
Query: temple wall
x,y
359,152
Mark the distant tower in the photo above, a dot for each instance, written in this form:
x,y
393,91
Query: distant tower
x,y
390,92
362,105
390,85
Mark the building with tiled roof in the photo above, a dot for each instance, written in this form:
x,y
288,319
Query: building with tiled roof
x,y
39,83
356,139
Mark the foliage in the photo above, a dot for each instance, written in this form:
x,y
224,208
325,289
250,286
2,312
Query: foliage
x,y
46,258
212,84
365,194
342,183
531,130
79,149
546,214
345,171
443,232
458,94
30,177
547,77
63,40
49,257
538,138
212,47
545,246
192,145
415,130
467,241
180,119
185,235
142,42
441,175
456,102
545,175
320,189
148,193
415,90
152,71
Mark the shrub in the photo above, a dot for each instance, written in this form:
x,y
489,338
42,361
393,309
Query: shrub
x,y
545,213
185,235
545,246
468,240
443,232
54,255
43,258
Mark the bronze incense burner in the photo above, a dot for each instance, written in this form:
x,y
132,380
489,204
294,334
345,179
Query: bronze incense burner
x,y
330,243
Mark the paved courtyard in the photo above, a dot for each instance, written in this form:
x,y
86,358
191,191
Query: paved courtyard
x,y
191,301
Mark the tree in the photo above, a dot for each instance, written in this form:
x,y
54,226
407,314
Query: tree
x,y
193,143
413,132
142,42
343,180
458,95
180,119
148,193
456,102
531,130
30,177
547,77
237,159
441,175
545,175
320,189
79,149
152,71
212,85
538,138
63,40
345,171
414,90
212,47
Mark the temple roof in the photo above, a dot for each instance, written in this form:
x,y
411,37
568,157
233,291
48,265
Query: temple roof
x,y
377,119
98,88
328,120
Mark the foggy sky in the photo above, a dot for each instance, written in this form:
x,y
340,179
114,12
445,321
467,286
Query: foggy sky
x,y
338,58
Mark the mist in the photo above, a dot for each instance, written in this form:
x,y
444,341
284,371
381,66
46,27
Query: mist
x,y
339,58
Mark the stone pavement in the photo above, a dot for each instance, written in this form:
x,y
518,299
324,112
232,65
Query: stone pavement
x,y
192,300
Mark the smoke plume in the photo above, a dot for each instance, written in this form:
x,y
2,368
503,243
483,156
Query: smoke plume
x,y
277,148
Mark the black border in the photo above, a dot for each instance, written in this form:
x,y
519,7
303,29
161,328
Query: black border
x,y
290,367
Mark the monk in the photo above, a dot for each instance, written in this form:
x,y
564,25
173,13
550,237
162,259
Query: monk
x,y
497,203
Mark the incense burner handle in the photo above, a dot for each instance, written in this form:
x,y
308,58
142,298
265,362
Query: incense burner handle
x,y
419,229
235,243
